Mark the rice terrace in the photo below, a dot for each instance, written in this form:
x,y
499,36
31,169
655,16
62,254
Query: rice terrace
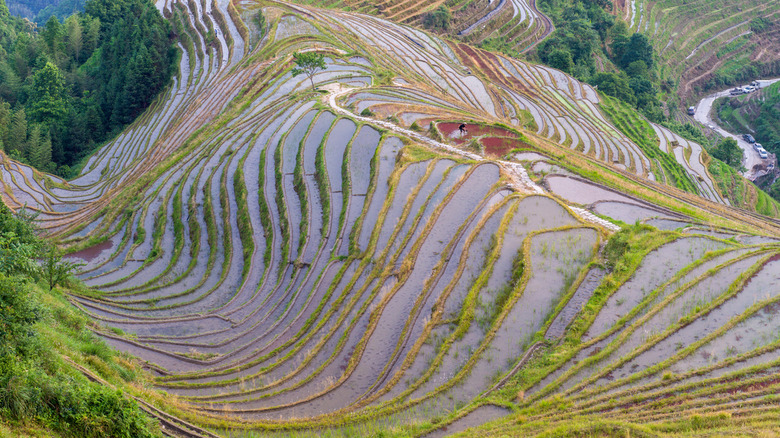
x,y
328,254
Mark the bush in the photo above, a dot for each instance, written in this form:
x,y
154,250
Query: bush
x,y
438,20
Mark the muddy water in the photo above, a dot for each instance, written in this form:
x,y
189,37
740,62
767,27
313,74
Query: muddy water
x,y
298,353
477,417
461,350
383,337
581,192
313,140
386,164
334,151
433,181
656,268
450,130
668,224
576,303
362,152
627,212
88,254
595,348
763,285
438,286
409,180
556,257
433,203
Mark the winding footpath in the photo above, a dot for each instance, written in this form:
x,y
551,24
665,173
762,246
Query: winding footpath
x,y
750,157
521,182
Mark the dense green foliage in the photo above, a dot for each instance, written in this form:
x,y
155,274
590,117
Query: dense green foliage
x,y
728,152
584,32
438,20
35,384
69,86
308,63
639,131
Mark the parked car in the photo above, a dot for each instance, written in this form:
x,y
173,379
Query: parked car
x,y
737,91
749,89
748,138
691,111
756,84
762,153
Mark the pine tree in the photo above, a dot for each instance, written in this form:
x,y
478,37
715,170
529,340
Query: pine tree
x,y
5,120
53,35
17,135
74,33
39,148
32,144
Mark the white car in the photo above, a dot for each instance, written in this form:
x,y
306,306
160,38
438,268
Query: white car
x,y
757,146
762,154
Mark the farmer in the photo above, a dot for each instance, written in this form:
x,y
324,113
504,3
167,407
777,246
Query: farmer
x,y
462,129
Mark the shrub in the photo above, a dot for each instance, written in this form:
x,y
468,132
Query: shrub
x,y
438,19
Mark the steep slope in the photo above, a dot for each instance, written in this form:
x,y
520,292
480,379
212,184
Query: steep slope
x,y
282,262
517,24
705,44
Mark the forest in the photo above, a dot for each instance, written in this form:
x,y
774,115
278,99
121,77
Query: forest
x,y
39,11
586,32
67,87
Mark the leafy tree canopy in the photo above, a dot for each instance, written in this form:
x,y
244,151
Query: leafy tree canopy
x,y
308,63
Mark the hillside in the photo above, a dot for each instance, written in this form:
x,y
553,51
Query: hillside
x,y
39,11
298,262
704,45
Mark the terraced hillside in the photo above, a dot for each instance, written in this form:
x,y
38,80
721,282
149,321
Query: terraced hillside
x,y
517,24
293,259
706,43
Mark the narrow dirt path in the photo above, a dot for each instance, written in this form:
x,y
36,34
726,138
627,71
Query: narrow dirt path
x,y
696,49
520,180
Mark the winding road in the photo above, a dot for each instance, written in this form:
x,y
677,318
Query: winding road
x,y
750,157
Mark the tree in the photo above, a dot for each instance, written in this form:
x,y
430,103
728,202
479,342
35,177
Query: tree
x,y
729,152
638,49
39,148
438,19
774,191
32,143
53,34
308,63
74,32
47,98
616,85
17,134
561,59
55,270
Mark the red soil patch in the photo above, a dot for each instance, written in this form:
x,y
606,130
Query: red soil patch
x,y
496,140
500,146
450,131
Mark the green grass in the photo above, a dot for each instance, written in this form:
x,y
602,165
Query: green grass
x,y
635,127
